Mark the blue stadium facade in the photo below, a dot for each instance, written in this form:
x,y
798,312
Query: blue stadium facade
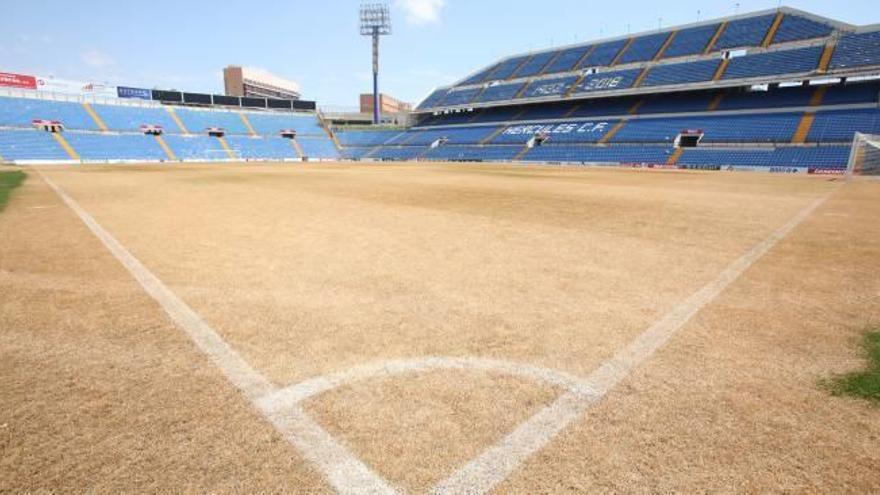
x,y
780,90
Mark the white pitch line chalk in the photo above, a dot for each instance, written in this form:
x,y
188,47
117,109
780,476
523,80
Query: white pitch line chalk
x,y
344,471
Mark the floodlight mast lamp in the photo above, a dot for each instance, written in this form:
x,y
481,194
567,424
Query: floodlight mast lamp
x,y
375,22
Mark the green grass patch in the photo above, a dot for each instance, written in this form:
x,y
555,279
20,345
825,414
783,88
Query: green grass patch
x,y
9,181
862,384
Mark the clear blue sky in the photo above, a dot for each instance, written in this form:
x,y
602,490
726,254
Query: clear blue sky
x,y
184,44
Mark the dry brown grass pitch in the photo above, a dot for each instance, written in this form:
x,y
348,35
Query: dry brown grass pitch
x,y
313,270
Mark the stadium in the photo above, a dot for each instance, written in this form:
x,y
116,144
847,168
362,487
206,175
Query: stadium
x,y
641,263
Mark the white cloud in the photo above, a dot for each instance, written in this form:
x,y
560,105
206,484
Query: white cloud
x,y
421,11
95,58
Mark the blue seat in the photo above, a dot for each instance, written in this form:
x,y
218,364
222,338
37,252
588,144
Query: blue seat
x,y
567,60
27,144
644,48
688,72
801,60
535,64
114,147
750,31
857,50
795,28
690,41
603,54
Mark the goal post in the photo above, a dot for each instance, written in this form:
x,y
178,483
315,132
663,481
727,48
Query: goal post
x,y
864,158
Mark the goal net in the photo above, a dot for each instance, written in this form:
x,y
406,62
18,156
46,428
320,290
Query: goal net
x,y
864,159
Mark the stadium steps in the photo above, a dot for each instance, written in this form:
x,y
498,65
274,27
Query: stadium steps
x,y
515,74
641,78
669,40
719,73
167,149
94,115
67,147
549,63
332,135
803,128
298,148
675,156
573,110
622,51
225,145
614,130
372,151
827,54
721,28
806,123
581,60
496,133
521,153
771,33
716,102
635,108
247,124
176,119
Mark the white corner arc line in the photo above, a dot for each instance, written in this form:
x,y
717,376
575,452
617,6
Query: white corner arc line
x,y
496,463
296,394
339,466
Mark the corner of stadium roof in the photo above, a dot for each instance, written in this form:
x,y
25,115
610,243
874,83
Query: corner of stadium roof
x,y
474,83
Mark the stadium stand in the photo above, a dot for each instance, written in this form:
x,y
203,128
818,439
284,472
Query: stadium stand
x,y
780,90
757,90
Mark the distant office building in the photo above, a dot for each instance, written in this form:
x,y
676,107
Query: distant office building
x,y
257,83
387,104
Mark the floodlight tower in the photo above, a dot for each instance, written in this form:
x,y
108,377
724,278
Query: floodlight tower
x,y
375,22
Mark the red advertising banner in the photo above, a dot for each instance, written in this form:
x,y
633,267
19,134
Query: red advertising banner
x,y
17,81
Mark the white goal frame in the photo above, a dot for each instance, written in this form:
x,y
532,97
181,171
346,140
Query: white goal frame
x,y
855,165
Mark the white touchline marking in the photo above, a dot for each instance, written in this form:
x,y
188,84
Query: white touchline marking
x,y
497,463
342,469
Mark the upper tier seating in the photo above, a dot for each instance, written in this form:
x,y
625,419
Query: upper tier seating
x,y
644,48
21,112
567,60
434,98
688,72
506,69
857,50
500,92
801,60
535,64
795,28
691,41
744,32
603,54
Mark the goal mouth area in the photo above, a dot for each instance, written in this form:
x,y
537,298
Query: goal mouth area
x,y
864,158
